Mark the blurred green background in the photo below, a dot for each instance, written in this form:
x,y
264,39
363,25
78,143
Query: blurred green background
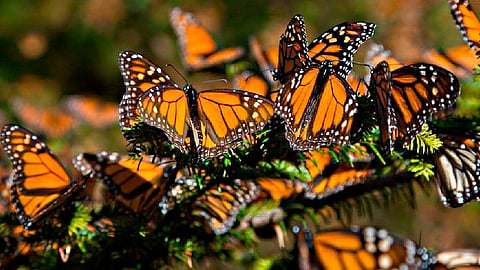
x,y
52,48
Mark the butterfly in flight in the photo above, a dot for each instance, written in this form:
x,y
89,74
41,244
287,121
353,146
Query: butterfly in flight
x,y
138,184
209,123
40,182
198,49
457,166
356,248
52,122
408,96
467,22
460,60
91,110
267,59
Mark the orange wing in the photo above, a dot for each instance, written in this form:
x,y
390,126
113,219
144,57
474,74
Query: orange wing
x,y
460,60
411,95
467,22
92,110
139,75
219,119
357,83
250,82
198,49
229,116
280,188
363,249
266,59
138,184
51,122
40,183
376,53
318,107
168,109
220,205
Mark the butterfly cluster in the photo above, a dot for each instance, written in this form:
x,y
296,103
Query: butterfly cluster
x,y
308,135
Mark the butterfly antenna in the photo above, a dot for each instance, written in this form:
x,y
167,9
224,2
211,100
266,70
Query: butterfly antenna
x,y
215,80
178,72
364,64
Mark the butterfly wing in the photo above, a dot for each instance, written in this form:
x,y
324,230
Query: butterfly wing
x,y
139,75
460,60
457,166
318,107
339,44
338,176
138,184
250,82
40,182
418,92
363,248
280,188
220,204
92,110
358,84
167,108
49,121
228,116
467,22
292,52
198,49
267,59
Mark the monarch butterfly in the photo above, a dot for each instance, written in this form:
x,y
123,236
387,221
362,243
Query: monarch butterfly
x,y
53,123
40,182
220,204
460,60
213,120
318,107
292,50
280,188
138,184
355,248
467,22
250,82
139,75
267,59
408,96
198,49
92,110
457,166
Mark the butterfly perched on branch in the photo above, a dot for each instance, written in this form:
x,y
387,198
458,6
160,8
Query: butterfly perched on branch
x,y
208,123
